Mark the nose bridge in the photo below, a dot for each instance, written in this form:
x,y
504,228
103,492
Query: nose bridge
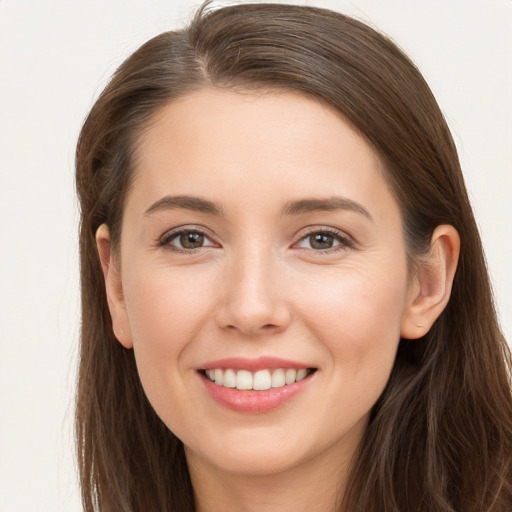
x,y
253,299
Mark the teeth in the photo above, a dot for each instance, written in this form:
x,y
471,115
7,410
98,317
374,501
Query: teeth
x,y
219,377
278,378
260,380
290,376
301,374
243,379
229,379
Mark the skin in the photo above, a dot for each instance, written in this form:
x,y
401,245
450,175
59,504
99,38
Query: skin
x,y
259,287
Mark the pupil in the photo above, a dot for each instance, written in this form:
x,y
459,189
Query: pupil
x,y
191,240
321,241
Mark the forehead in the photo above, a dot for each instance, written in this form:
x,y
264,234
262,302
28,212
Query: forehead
x,y
247,144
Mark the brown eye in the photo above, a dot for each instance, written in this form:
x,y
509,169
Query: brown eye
x,y
186,240
321,241
324,241
191,240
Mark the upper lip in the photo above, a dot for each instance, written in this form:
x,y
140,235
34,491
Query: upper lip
x,y
253,365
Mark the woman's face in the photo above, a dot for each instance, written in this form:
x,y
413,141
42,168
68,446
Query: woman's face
x,y
260,243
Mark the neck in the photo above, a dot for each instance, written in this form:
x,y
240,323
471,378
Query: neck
x,y
316,486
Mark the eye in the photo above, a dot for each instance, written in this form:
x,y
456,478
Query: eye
x,y
323,241
187,240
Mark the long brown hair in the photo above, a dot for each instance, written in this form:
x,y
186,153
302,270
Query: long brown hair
x,y
440,436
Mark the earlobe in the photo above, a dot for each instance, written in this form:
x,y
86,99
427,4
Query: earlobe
x,y
430,292
113,287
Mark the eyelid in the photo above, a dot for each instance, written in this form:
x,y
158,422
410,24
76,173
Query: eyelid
x,y
168,236
346,241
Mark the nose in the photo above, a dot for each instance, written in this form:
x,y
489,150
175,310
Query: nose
x,y
254,300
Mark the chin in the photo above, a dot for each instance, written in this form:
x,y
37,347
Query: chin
x,y
256,451
258,462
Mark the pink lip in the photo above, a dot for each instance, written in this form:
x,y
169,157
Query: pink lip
x,y
255,402
253,365
250,401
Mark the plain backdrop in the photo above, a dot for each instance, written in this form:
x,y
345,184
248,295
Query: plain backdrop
x,y
55,57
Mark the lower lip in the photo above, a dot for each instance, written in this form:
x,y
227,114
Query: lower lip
x,y
255,402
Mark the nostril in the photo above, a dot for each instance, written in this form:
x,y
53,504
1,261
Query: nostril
x,y
253,329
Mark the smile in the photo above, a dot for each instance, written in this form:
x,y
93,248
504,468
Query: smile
x,y
261,380
255,385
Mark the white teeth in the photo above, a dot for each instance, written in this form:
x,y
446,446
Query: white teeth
x,y
229,379
278,378
290,376
259,380
301,374
262,380
219,378
243,379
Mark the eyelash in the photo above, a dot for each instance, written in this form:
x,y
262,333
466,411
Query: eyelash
x,y
166,240
345,242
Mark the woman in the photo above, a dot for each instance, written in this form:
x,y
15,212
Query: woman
x,y
284,296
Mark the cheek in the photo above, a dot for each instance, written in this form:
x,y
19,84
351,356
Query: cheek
x,y
361,330
358,319
165,312
164,306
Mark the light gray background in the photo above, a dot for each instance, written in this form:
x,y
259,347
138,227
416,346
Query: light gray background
x,y
55,57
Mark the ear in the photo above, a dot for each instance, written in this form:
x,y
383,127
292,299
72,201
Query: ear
x,y
114,287
431,288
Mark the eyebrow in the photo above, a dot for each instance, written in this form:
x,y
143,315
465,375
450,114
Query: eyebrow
x,y
328,204
298,207
196,204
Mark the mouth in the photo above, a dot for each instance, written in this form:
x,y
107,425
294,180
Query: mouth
x,y
255,386
260,380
